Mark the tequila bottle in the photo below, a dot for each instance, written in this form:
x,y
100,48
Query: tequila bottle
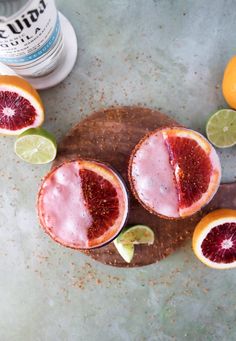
x,y
31,41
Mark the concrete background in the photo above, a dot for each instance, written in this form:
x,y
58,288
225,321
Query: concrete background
x,y
161,54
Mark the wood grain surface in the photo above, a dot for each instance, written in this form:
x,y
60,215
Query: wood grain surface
x,y
110,135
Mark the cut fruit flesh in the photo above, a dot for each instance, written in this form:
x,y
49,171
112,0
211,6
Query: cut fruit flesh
x,y
221,128
102,205
130,236
138,234
20,106
82,204
214,239
181,148
174,171
36,146
125,250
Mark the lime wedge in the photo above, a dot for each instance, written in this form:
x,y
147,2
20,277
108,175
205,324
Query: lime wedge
x,y
36,146
126,251
138,234
221,128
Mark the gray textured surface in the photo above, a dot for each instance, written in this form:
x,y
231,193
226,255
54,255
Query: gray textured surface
x,y
162,54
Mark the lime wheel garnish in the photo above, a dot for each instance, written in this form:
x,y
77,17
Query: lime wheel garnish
x,y
174,172
82,204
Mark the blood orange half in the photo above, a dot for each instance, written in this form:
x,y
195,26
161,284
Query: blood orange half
x,y
174,172
82,204
20,106
214,239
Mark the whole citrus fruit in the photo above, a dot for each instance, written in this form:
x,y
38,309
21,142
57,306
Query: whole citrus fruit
x,y
229,83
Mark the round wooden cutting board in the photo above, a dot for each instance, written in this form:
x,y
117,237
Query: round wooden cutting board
x,y
110,135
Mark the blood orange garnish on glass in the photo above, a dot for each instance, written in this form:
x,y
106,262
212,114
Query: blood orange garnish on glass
x,y
82,204
174,172
214,239
20,106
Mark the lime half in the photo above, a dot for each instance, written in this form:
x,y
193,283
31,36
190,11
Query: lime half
x,y
221,128
126,251
36,146
138,234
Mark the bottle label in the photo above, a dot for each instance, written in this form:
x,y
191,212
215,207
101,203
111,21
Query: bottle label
x,y
30,34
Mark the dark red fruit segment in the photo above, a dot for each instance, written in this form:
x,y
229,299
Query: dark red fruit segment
x,y
195,168
101,200
16,112
220,244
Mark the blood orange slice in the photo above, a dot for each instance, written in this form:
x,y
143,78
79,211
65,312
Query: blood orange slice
x,y
196,167
174,172
82,204
20,106
214,239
